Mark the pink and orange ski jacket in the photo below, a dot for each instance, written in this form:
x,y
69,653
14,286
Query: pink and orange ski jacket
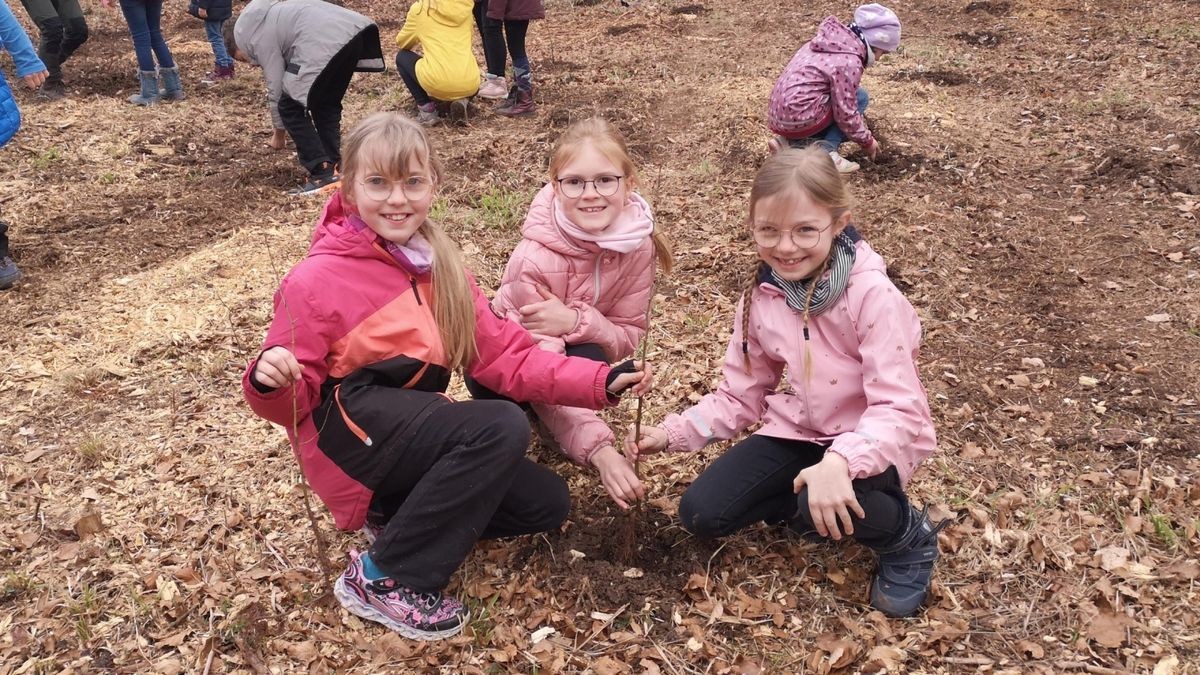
x,y
362,327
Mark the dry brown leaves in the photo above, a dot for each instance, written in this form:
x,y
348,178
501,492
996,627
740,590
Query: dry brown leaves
x,y
1037,200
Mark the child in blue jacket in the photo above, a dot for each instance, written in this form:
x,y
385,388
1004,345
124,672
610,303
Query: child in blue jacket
x,y
30,69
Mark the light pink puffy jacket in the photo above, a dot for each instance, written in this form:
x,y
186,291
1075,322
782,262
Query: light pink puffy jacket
x,y
863,394
609,290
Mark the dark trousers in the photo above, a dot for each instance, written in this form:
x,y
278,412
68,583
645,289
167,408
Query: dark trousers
x,y
752,481
3,239
316,128
406,65
496,36
62,28
586,350
463,477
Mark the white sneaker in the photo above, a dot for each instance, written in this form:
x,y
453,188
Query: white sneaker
x,y
843,165
494,87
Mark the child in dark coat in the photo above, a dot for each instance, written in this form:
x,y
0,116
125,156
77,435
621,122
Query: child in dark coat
x,y
215,13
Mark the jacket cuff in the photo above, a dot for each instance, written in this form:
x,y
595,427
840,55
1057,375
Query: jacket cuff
x,y
857,452
676,438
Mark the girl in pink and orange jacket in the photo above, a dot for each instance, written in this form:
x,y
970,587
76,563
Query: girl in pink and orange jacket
x,y
581,280
367,330
842,437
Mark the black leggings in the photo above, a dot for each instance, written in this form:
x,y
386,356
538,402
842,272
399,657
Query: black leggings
x,y
406,65
496,35
752,481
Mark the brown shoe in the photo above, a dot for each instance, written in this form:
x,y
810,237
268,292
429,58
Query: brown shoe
x,y
521,105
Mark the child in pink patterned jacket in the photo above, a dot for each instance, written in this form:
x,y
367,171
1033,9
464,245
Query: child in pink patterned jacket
x,y
818,98
839,442
581,280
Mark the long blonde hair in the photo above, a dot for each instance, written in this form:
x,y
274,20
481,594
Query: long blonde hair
x,y
609,142
389,143
812,172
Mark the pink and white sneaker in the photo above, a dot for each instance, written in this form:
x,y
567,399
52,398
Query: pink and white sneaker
x,y
494,87
415,615
843,165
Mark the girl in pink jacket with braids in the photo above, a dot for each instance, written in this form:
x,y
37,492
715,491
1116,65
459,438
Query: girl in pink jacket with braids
x,y
842,437
581,281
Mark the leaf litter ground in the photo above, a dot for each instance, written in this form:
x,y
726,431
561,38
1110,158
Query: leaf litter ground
x,y
1037,200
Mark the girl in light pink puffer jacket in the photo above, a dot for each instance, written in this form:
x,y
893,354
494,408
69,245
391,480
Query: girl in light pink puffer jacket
x,y
843,434
581,281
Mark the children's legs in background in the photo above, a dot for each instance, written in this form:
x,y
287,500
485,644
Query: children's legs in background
x,y
492,33
326,94
514,36
212,29
447,487
833,136
9,272
63,30
406,65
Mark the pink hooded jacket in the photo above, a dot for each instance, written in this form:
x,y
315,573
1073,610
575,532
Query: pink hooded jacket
x,y
609,290
863,394
819,86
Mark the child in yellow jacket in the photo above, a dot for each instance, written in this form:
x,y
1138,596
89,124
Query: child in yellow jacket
x,y
447,70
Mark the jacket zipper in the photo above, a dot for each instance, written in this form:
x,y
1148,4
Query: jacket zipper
x,y
596,276
354,428
413,281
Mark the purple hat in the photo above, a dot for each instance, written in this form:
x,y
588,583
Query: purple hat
x,y
879,25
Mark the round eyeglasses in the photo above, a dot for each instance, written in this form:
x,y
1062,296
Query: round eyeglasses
x,y
767,235
380,189
574,186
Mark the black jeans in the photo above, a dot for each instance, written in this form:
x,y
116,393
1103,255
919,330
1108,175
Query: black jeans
x,y
406,65
496,34
3,239
586,350
752,481
316,128
463,477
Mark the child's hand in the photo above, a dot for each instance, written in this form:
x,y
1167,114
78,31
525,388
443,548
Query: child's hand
x,y
830,495
641,378
618,476
653,440
278,138
277,367
873,149
202,12
548,317
35,80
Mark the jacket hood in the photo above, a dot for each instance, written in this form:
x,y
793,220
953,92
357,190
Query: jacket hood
x,y
250,22
450,12
541,225
334,235
835,38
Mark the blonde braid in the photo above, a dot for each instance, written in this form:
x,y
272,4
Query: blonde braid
x,y
812,288
748,299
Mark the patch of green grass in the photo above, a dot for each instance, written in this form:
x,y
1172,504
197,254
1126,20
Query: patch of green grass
x,y
92,451
1163,531
107,178
17,584
481,623
440,210
47,158
499,208
83,610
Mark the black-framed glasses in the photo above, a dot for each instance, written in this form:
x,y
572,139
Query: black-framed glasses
x,y
768,235
380,189
574,186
